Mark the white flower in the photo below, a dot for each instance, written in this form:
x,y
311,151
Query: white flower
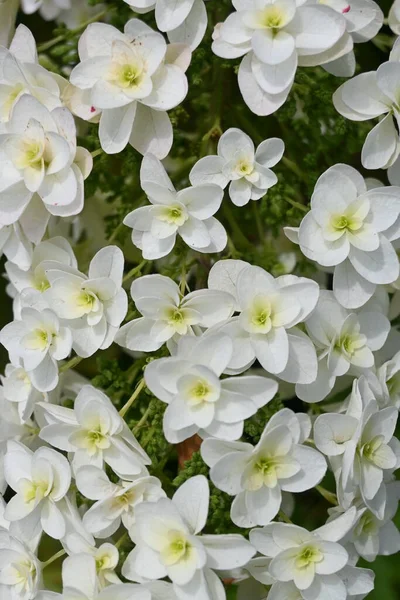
x,y
344,341
15,245
256,476
188,213
39,156
40,480
27,285
94,432
19,569
167,315
79,575
198,401
269,309
247,170
127,78
92,306
115,502
361,447
106,557
389,379
37,341
364,19
351,229
394,17
22,74
311,561
370,95
168,543
185,20
18,388
48,9
277,36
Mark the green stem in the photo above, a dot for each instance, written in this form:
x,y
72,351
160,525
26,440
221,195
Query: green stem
x,y
70,364
132,399
134,271
297,204
329,496
63,36
142,421
283,516
53,558
96,152
121,540
116,231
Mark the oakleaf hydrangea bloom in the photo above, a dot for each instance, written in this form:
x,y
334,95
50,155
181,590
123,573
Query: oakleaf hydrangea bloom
x,y
94,305
94,433
276,36
265,328
125,76
188,213
40,480
370,95
198,401
20,570
344,341
256,476
18,388
22,74
361,447
394,17
168,542
114,502
364,19
351,229
28,285
167,315
248,171
184,21
37,342
310,561
15,245
39,156
388,377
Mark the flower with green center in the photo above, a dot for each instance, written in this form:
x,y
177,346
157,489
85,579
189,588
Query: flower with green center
x,y
177,549
307,556
263,471
274,17
349,344
173,215
87,301
38,339
127,75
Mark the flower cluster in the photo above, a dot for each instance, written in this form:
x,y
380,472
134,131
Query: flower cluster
x,y
168,443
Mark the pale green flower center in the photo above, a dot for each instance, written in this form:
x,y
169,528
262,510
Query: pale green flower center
x,y
174,215
346,223
308,556
371,448
274,17
178,549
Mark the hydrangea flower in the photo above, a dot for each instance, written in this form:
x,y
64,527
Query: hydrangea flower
x,y
184,21
126,78
37,342
94,305
20,569
40,480
265,328
361,447
370,95
114,502
48,9
94,433
394,17
276,36
256,476
167,315
188,213
40,157
198,401
248,171
344,340
168,543
351,229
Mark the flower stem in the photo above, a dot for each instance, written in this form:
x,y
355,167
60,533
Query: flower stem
x,y
283,516
70,364
132,399
142,421
60,38
135,270
296,204
329,496
96,152
239,238
53,558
